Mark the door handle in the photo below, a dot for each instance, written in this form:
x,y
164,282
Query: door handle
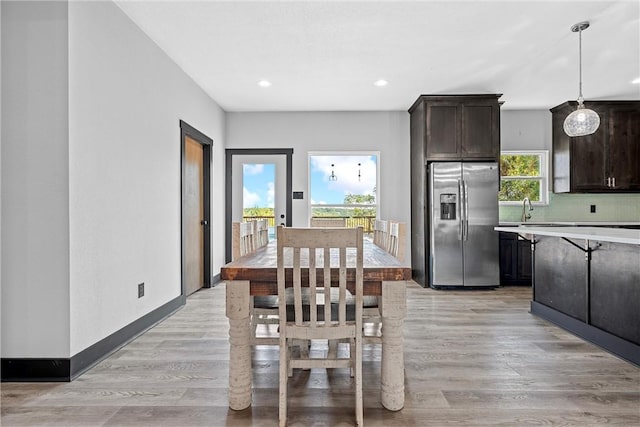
x,y
466,210
204,222
460,210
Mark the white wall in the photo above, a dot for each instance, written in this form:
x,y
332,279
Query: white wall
x,y
35,188
531,130
0,180
386,132
126,100
525,130
91,175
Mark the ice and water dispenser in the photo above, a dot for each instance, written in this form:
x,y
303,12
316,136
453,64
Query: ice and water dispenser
x,y
448,206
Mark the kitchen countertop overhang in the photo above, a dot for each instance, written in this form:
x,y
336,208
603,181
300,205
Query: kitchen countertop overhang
x,y
571,223
601,234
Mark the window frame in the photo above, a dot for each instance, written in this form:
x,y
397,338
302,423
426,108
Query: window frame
x,y
311,154
543,178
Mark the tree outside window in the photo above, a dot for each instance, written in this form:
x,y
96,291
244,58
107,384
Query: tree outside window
x,y
523,174
343,185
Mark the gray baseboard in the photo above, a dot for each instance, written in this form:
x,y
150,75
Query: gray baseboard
x,y
65,370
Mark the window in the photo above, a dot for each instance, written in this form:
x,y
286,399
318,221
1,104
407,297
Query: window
x,y
523,174
344,185
258,193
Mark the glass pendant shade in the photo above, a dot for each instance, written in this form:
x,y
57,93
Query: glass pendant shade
x,y
581,122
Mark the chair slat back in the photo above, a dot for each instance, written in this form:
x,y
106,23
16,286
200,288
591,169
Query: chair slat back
x,y
380,233
243,238
311,254
235,240
328,222
247,237
327,251
262,233
397,239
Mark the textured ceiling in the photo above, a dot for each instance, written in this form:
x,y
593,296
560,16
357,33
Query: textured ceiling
x,y
325,55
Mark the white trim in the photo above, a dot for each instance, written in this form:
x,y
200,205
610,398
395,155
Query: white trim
x,y
344,154
543,178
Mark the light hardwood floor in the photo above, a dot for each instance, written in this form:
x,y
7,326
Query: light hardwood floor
x,y
473,358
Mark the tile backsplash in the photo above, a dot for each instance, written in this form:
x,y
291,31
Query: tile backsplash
x,y
577,207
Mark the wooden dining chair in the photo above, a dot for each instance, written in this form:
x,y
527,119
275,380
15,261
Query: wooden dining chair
x,y
264,310
312,319
372,319
397,239
261,233
245,237
328,222
380,233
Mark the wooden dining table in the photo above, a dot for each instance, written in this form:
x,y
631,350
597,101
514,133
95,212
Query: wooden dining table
x,y
255,274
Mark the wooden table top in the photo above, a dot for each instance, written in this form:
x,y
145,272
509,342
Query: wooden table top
x,y
260,267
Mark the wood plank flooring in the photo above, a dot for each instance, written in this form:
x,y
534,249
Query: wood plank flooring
x,y
473,358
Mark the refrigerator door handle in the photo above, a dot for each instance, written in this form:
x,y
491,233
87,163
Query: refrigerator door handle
x,y
465,231
460,211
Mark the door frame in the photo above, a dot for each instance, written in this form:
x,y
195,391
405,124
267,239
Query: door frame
x,y
229,153
207,144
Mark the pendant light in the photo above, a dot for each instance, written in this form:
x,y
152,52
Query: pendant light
x,y
333,176
583,121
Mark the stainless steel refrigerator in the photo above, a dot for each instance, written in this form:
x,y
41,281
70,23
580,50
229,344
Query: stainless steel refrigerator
x,y
463,209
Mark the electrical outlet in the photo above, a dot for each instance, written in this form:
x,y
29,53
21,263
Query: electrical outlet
x,y
593,208
140,290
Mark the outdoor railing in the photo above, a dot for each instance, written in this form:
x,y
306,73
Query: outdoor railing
x,y
271,219
366,222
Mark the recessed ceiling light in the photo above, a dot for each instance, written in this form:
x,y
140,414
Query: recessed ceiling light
x,y
380,83
636,81
264,83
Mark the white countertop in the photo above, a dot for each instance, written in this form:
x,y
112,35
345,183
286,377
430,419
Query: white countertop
x,y
575,223
602,234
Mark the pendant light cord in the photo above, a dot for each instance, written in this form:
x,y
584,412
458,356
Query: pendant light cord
x,y
582,121
580,99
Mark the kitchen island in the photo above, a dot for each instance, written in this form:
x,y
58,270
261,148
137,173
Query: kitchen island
x,y
587,281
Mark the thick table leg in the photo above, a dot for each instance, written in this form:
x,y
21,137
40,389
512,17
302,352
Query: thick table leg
x,y
240,348
394,310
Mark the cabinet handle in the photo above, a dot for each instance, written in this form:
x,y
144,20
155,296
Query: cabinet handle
x,y
608,181
614,182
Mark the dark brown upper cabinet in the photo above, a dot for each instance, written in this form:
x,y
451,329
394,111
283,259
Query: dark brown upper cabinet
x,y
606,161
446,128
459,127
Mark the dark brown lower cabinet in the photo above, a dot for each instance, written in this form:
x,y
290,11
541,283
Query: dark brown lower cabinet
x,y
591,289
515,260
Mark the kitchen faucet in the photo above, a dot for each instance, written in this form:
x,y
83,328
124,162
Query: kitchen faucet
x,y
525,215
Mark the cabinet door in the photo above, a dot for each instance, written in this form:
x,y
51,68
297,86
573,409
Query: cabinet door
x,y
508,258
443,131
524,262
561,152
591,163
589,157
480,131
624,148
